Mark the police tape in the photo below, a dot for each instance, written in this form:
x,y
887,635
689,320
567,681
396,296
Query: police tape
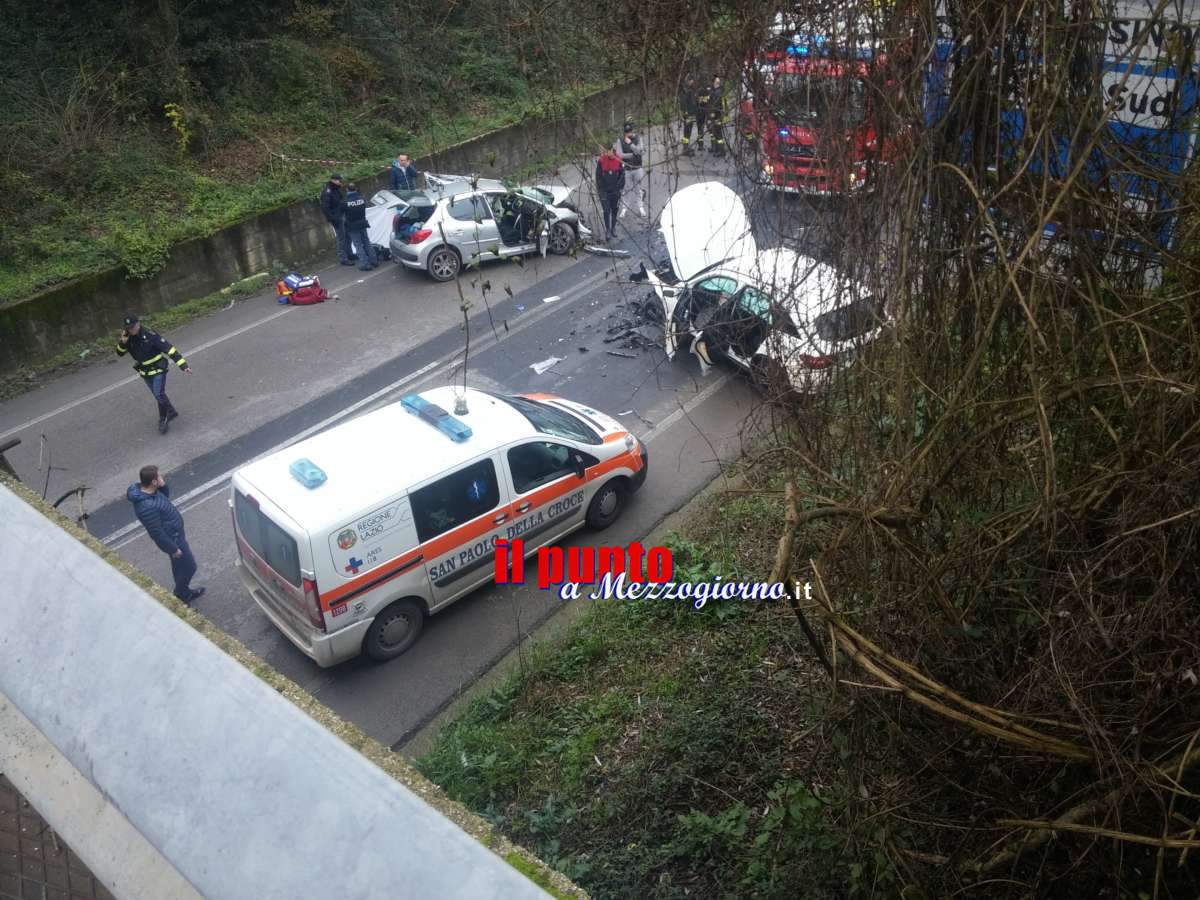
x,y
323,162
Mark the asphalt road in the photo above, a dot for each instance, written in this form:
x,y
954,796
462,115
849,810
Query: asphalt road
x,y
267,375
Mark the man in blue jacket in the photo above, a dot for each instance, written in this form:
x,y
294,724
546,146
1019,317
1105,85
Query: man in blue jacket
x,y
151,499
404,174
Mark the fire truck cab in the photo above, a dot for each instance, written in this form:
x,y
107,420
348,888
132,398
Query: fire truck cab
x,y
812,118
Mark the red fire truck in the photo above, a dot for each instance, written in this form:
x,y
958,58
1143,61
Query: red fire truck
x,y
810,115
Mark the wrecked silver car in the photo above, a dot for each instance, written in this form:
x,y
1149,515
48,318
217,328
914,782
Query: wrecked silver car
x,y
457,221
785,318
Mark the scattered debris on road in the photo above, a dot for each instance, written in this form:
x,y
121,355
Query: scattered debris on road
x,y
551,299
636,327
604,251
540,368
622,355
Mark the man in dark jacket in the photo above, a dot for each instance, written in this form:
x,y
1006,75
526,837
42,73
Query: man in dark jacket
x,y
404,174
610,181
687,109
356,228
333,204
151,352
151,499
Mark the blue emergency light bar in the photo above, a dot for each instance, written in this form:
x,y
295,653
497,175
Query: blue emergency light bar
x,y
820,45
437,417
309,475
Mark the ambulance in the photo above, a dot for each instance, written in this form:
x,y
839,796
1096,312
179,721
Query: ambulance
x,y
350,539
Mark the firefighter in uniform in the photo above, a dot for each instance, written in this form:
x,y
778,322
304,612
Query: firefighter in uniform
x,y
687,110
151,352
718,112
703,100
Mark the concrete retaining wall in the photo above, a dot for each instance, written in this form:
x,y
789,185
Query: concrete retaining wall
x,y
92,306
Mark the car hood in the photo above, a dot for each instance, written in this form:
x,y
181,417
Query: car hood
x,y
704,224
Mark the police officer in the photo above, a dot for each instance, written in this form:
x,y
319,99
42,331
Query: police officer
x,y
687,109
718,112
333,205
356,229
150,352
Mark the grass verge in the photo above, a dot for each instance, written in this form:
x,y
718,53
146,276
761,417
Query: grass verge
x,y
668,751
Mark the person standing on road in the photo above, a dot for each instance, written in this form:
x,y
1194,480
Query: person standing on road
x,y
631,152
404,174
687,110
333,204
703,102
356,228
151,352
610,181
718,112
151,499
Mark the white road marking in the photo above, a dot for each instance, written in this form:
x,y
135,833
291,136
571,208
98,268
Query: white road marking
x,y
129,533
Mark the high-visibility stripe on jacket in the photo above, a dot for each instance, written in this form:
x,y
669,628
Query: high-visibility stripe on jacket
x,y
150,352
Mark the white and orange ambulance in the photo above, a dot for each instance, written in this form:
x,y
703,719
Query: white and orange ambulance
x,y
350,539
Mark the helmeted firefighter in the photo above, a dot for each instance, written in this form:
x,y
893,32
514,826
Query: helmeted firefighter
x,y
687,111
717,109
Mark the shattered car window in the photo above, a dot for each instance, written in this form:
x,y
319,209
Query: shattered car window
x,y
718,285
756,303
539,195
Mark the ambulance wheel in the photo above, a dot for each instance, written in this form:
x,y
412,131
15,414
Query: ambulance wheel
x,y
394,630
443,264
562,236
606,506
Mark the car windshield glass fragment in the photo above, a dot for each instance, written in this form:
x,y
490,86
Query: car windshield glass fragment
x,y
538,194
825,99
552,421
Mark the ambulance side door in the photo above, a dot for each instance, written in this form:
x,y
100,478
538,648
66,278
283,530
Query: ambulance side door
x,y
459,516
549,495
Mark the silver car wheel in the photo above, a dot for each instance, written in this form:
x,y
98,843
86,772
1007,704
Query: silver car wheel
x,y
561,238
443,264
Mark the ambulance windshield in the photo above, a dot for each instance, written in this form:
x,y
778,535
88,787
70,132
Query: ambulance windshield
x,y
551,421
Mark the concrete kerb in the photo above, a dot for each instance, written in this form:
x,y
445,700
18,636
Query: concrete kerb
x,y
393,764
557,628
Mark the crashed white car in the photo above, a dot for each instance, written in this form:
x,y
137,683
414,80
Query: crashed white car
x,y
785,318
